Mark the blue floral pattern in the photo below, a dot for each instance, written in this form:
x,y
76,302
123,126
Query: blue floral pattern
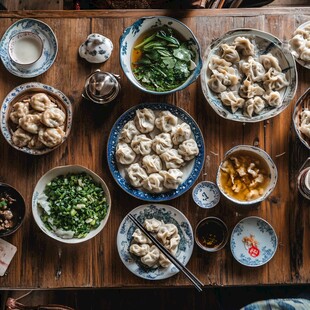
x,y
206,195
164,213
283,304
50,47
263,233
112,143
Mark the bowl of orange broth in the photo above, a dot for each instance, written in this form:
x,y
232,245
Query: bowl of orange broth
x,y
247,175
160,55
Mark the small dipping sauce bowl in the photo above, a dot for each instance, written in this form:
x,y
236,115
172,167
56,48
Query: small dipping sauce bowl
x,y
211,234
25,48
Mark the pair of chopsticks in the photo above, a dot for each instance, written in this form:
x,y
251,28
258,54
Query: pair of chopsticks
x,y
198,284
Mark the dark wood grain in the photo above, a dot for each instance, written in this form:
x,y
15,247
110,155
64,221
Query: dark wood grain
x,y
44,263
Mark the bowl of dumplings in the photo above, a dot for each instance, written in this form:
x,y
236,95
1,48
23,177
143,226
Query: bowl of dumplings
x,y
301,118
300,45
155,151
248,76
36,118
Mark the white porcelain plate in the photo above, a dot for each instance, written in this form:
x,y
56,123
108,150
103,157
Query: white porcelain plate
x,y
164,213
253,242
50,47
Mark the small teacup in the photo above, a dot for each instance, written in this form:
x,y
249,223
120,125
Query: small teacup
x,y
25,48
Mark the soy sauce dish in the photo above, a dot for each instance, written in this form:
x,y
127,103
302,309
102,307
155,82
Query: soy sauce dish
x,y
211,234
12,209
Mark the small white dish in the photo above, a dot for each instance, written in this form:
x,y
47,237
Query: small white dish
x,y
40,187
25,48
96,49
206,194
253,242
49,53
164,213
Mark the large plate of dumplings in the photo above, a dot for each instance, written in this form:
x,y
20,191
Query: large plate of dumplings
x,y
301,118
248,76
170,227
36,118
300,44
155,151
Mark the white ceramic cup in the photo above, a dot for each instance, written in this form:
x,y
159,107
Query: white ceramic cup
x,y
25,48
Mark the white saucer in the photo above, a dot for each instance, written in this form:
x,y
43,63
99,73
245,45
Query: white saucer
x,y
206,194
50,47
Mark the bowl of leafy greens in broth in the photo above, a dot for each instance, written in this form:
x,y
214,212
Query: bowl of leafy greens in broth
x,y
160,55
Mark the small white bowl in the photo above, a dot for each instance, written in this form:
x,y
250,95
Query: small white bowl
x,y
266,158
25,48
253,242
206,194
144,25
40,187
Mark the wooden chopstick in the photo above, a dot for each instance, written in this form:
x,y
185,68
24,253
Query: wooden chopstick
x,y
198,284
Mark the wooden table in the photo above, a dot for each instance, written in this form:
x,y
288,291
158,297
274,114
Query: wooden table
x,y
43,263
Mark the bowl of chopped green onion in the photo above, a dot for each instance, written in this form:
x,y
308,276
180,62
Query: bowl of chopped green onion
x,y
71,204
160,55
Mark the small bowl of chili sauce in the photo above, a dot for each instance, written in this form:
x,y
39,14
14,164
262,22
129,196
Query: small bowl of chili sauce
x,y
211,234
12,209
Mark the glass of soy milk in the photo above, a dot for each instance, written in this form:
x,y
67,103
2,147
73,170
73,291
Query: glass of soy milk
x,y
25,48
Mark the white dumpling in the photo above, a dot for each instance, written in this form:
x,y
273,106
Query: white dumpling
x,y
140,237
252,69
172,159
124,154
254,105
53,117
229,53
139,249
40,102
163,261
21,137
145,120
230,76
35,143
188,149
180,133
250,90
165,233
51,137
31,123
269,61
273,99
19,110
162,143
216,82
154,183
128,132
305,123
152,163
151,258
232,99
136,175
274,80
174,243
166,121
244,46
172,178
305,54
141,144
152,225
216,62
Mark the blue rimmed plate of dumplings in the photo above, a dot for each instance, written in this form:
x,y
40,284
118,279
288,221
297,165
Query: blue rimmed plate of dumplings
x,y
191,170
248,76
166,214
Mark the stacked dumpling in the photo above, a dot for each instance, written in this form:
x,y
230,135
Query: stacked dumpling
x,y
155,149
150,255
300,44
304,126
38,122
244,80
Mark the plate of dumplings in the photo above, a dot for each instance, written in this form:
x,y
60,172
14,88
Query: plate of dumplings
x,y
248,76
155,151
36,118
170,227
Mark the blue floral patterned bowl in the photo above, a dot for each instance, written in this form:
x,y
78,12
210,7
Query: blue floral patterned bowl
x,y
206,194
253,242
144,25
258,153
